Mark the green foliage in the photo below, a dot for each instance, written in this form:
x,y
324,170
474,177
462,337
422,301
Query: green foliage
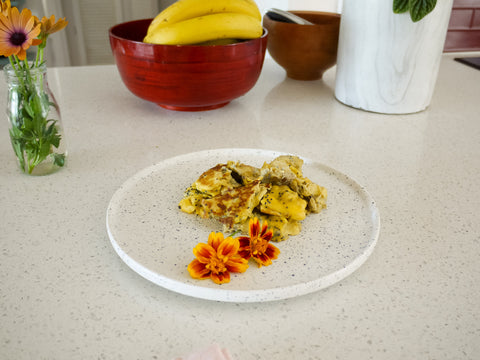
x,y
401,6
32,134
418,8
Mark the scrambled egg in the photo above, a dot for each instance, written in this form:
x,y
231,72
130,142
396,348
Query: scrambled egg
x,y
278,193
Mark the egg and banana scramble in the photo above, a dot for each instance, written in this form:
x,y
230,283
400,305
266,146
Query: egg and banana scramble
x,y
234,192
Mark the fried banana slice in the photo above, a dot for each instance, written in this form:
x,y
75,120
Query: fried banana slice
x,y
281,201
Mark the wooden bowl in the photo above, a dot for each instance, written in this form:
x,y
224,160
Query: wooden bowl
x,y
185,77
304,51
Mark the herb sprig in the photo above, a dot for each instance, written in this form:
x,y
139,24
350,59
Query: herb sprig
x,y
33,134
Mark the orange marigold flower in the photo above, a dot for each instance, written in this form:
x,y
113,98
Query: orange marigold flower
x,y
216,259
18,32
49,26
257,245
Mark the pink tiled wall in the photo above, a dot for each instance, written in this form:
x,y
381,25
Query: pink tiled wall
x,y
464,28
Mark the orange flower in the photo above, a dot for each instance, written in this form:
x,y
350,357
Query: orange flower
x,y
5,7
49,26
18,32
217,259
257,245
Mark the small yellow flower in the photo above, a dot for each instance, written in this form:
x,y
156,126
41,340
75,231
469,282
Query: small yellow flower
x,y
17,32
257,245
216,259
49,26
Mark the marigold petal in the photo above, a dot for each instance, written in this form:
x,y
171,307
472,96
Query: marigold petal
x,y
228,247
237,264
243,241
220,278
262,259
253,227
264,226
197,270
244,249
245,254
215,239
265,233
203,252
272,251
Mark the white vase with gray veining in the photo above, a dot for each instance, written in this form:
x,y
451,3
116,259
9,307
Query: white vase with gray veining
x,y
387,63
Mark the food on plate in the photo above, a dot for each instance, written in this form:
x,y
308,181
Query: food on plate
x,y
233,193
206,22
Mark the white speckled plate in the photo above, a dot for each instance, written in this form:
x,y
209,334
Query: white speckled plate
x,y
155,239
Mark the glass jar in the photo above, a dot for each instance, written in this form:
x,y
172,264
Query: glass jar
x,y
36,130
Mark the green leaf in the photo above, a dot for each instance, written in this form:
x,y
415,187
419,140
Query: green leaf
x,y
400,6
18,145
43,151
421,8
49,128
51,134
28,108
36,103
45,99
28,128
59,159
39,125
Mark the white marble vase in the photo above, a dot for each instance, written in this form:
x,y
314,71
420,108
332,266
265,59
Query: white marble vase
x,y
386,63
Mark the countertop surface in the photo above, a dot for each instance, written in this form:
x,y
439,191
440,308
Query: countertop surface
x,y
66,294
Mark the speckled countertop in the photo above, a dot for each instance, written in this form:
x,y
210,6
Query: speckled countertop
x,y
65,294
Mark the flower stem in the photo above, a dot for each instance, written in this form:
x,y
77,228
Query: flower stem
x,y
36,58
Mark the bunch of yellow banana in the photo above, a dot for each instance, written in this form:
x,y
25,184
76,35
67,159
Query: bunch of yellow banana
x,y
206,22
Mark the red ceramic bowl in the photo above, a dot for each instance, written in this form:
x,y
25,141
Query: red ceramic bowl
x,y
185,77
